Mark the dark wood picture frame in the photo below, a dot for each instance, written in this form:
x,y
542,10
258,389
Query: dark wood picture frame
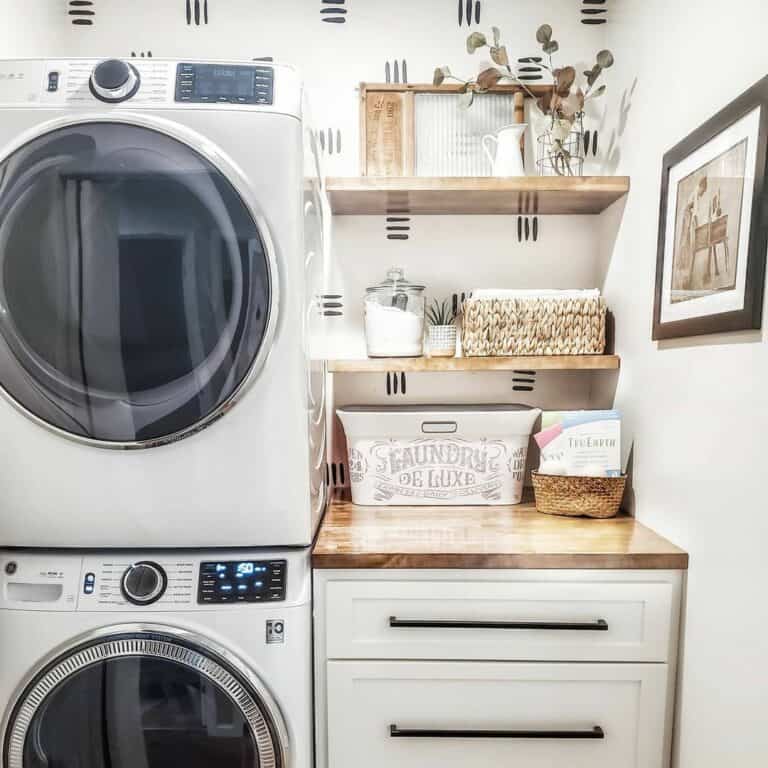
x,y
750,316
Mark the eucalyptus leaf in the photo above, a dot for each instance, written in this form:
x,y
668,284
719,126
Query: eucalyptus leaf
x,y
544,33
500,56
551,47
594,74
569,107
439,77
488,78
496,37
605,59
476,40
564,79
596,94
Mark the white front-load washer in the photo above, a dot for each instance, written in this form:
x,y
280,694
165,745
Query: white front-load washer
x,y
155,659
162,246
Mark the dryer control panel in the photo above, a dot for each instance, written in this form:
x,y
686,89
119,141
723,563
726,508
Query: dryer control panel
x,y
242,581
151,84
224,83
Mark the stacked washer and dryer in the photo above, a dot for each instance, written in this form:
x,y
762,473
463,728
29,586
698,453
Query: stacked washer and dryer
x,y
162,420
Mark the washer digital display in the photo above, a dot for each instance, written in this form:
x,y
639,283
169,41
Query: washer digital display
x,y
243,581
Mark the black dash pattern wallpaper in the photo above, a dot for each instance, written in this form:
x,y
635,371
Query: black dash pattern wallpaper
x,y
336,44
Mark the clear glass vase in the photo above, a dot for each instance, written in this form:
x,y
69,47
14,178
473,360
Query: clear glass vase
x,y
561,158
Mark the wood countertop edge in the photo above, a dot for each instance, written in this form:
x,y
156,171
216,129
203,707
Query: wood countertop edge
x,y
670,561
514,537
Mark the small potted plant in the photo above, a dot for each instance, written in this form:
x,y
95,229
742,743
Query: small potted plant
x,y
442,329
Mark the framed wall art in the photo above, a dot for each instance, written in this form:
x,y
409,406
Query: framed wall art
x,y
713,227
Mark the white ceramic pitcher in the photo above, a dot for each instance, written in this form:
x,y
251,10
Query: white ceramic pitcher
x,y
508,160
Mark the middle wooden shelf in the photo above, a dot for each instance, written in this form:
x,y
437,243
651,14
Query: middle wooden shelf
x,y
458,364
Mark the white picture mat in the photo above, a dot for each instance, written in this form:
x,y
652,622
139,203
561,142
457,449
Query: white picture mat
x,y
723,301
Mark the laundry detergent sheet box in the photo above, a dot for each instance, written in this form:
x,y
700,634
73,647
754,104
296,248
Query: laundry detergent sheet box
x,y
581,440
447,455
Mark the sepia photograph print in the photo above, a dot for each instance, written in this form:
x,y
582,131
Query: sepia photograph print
x,y
712,233
708,222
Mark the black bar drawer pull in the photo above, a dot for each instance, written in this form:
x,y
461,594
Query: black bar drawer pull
x,y
569,626
429,733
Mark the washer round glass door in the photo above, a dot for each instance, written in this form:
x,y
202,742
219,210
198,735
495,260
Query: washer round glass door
x,y
135,284
143,700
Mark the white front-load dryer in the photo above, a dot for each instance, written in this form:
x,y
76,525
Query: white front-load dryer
x,y
161,250
150,660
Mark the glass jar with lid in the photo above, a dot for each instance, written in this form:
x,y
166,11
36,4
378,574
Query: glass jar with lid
x,y
394,317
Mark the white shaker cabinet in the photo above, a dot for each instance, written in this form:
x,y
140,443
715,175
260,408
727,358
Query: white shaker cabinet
x,y
484,668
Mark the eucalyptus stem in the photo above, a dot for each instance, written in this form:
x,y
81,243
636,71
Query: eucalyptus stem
x,y
565,103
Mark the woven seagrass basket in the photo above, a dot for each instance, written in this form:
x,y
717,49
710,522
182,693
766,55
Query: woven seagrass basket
x,y
598,497
533,326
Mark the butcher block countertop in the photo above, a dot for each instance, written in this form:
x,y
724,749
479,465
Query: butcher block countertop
x,y
485,537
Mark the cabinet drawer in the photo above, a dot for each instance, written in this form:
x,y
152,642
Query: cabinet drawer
x,y
485,620
453,714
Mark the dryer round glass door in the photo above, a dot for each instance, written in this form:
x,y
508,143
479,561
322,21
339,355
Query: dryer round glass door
x,y
135,284
143,701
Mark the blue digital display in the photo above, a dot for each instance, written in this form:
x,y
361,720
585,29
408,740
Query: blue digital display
x,y
242,581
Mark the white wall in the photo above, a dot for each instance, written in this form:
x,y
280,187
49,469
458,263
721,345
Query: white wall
x,y
26,27
696,410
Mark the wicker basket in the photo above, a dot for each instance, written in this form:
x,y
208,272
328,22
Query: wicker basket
x,y
533,326
579,496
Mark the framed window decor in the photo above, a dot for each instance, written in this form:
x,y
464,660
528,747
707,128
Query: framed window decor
x,y
713,228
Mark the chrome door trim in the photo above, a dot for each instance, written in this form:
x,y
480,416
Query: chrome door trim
x,y
231,171
181,646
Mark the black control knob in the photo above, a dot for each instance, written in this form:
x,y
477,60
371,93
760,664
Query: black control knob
x,y
144,583
114,81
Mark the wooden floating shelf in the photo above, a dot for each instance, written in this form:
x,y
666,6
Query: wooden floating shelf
x,y
528,195
456,88
459,364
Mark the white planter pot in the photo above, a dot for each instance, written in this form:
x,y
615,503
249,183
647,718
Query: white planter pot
x,y
442,340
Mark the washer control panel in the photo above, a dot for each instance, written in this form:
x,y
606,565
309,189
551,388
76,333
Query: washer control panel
x,y
242,581
225,83
154,581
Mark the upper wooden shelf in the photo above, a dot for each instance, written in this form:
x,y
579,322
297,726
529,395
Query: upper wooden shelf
x,y
542,195
457,364
456,88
